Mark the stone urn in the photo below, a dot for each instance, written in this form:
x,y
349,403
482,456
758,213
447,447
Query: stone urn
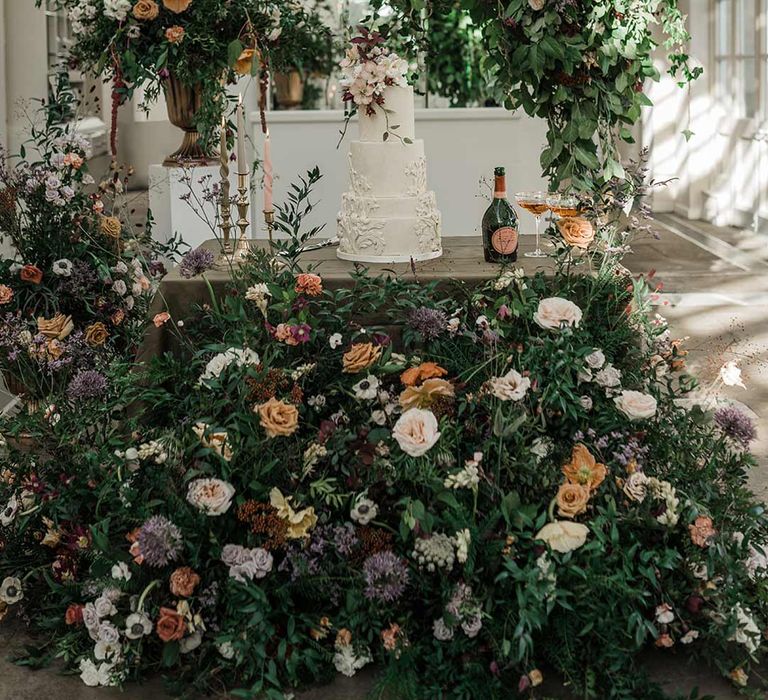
x,y
289,89
184,102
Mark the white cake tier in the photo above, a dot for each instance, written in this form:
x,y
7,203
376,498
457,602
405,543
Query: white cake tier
x,y
388,169
389,229
398,103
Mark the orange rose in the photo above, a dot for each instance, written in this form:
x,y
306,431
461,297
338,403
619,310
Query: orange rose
x,y
702,531
576,231
183,582
74,614
360,356
6,294
170,625
426,370
278,418
30,273
96,334
176,6
423,396
584,469
146,10
110,226
572,500
309,284
58,327
244,62
174,34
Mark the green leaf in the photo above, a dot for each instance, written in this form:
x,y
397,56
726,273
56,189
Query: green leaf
x,y
234,49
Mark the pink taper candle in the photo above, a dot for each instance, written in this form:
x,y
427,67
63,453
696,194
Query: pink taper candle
x,y
267,174
242,165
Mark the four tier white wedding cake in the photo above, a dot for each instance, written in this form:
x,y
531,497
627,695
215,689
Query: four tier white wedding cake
x,y
388,215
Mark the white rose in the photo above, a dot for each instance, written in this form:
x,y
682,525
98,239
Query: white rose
x,y
636,405
536,4
511,387
416,431
636,487
212,496
104,606
555,311
191,642
595,359
119,287
121,572
609,376
226,650
585,402
563,536
89,674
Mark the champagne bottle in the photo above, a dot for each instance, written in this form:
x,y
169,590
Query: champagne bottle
x,y
500,237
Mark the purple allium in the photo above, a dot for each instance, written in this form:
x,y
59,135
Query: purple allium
x,y
87,384
429,322
345,539
159,541
736,425
196,261
386,576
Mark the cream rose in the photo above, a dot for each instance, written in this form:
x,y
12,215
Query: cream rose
x,y
576,231
511,387
555,311
636,487
636,405
212,496
563,536
416,431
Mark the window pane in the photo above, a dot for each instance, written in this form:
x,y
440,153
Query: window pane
x,y
722,82
749,86
723,27
747,27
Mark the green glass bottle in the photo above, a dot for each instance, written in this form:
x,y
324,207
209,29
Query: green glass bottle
x,y
500,235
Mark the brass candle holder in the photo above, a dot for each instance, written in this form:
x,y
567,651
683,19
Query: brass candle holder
x,y
242,248
269,220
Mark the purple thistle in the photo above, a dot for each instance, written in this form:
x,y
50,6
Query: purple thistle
x,y
159,541
736,425
196,261
430,323
87,384
386,576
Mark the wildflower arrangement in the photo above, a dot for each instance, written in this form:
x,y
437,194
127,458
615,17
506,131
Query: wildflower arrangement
x,y
76,291
203,43
470,488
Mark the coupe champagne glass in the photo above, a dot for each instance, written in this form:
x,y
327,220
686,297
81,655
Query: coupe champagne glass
x,y
536,204
563,205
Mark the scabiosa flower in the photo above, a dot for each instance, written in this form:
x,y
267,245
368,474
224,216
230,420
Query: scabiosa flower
x,y
430,323
736,425
386,576
196,261
159,541
87,384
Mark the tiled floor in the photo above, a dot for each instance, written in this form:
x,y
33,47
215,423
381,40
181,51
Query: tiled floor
x,y
715,290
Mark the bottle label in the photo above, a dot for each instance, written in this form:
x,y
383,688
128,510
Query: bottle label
x,y
504,240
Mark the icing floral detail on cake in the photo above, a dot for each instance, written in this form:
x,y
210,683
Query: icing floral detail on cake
x,y
416,172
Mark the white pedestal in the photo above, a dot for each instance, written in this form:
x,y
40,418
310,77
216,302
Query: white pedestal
x,y
176,198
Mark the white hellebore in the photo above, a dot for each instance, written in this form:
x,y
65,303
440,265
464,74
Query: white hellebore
x,y
121,572
212,496
636,405
556,312
511,387
335,340
364,511
416,431
730,373
563,536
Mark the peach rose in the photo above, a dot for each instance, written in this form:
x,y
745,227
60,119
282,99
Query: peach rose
x,y
161,318
118,317
96,334
423,396
170,625
6,294
572,500
278,418
30,273
174,34
58,327
176,6
576,231
244,62
309,284
426,370
583,469
183,582
74,160
702,531
343,637
416,431
146,10
636,405
360,356
284,335
555,312
110,226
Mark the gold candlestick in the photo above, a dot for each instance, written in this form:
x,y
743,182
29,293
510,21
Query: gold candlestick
x,y
224,258
269,220
242,248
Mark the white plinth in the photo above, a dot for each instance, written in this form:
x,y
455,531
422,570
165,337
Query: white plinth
x,y
176,198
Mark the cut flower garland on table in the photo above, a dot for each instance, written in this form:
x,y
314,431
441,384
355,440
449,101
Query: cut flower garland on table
x,y
467,488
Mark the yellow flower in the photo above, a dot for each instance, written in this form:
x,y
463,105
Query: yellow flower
x,y
584,469
423,395
299,522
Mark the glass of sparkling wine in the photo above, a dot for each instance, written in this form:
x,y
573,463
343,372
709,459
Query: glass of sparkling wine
x,y
536,204
563,205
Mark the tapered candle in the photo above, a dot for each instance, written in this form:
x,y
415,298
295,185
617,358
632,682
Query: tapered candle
x,y
242,167
268,178
224,160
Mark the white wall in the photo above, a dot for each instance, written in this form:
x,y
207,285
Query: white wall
x,y
462,146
